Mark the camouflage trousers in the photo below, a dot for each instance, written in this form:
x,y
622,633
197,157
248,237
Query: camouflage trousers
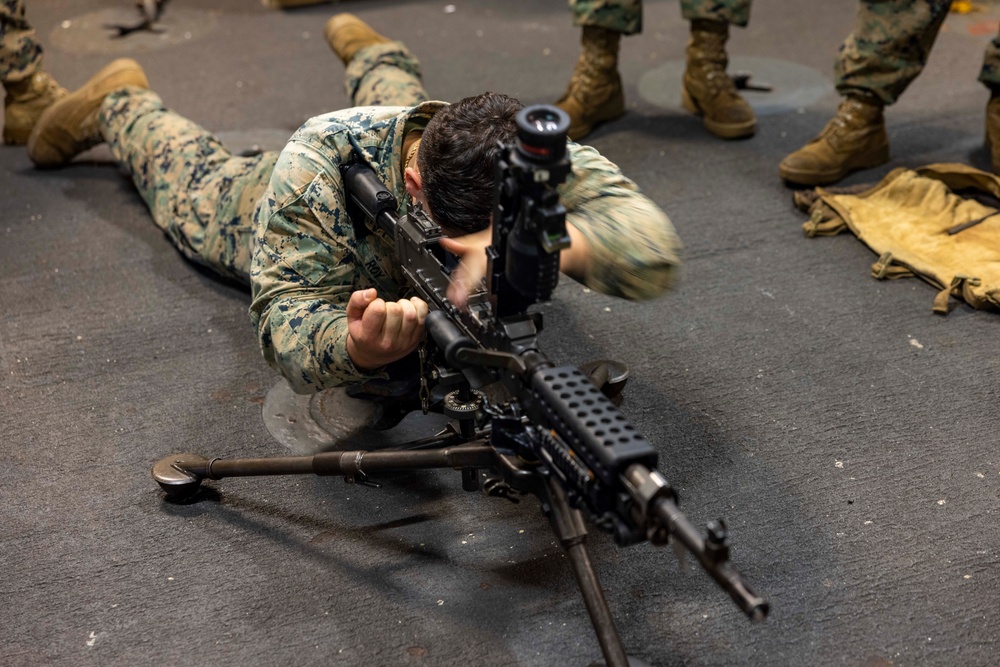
x,y
202,196
20,52
889,47
626,15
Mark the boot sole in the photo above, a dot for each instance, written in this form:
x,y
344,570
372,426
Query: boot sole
x,y
49,138
577,133
721,130
867,161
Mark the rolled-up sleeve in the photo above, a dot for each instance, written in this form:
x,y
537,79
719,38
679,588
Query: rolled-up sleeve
x,y
635,251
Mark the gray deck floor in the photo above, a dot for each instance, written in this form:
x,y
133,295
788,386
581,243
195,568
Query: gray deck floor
x,y
849,436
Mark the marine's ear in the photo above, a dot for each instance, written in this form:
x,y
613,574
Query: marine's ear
x,y
414,184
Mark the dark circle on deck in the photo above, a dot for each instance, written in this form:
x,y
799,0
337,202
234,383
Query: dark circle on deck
x,y
794,86
90,34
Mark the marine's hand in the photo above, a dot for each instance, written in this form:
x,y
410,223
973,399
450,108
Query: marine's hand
x,y
380,332
469,275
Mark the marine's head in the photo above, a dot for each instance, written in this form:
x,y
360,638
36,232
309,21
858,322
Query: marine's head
x,y
454,173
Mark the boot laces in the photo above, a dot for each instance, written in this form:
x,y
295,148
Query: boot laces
x,y
848,118
712,62
594,78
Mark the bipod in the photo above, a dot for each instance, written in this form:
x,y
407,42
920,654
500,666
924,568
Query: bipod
x,y
568,525
180,477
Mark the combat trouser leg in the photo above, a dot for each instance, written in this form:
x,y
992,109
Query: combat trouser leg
x,y
385,75
199,194
888,47
624,16
20,52
733,12
989,75
30,91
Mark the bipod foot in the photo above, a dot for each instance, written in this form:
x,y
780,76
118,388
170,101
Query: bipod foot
x,y
609,376
175,475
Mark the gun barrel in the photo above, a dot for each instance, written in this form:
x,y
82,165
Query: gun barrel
x,y
721,569
650,490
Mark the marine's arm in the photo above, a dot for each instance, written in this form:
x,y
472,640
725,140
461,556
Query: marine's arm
x,y
622,244
631,249
317,322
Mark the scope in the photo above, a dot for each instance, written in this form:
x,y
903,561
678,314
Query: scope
x,y
541,133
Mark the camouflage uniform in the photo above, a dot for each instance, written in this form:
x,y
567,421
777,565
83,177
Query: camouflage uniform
x,y
20,52
890,45
304,259
625,16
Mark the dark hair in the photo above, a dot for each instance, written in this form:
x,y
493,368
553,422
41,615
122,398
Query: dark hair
x,y
458,153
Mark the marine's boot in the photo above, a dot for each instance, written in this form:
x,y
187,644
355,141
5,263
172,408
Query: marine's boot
x,y
25,102
70,126
854,139
708,91
993,131
594,94
347,34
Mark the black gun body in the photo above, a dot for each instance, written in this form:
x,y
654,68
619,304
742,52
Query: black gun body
x,y
418,251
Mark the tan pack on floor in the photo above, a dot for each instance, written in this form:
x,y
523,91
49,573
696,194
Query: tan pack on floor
x,y
921,222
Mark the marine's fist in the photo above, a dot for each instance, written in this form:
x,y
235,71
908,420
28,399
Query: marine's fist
x,y
380,332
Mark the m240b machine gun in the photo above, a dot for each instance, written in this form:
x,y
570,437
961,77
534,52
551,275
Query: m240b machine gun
x,y
553,433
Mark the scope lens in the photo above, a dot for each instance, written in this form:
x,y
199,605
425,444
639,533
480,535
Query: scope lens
x,y
541,133
544,121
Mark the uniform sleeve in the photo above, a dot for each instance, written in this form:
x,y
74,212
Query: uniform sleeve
x,y
303,273
635,252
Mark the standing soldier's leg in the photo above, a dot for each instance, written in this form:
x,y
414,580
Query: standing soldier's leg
x,y
380,71
708,89
888,48
202,197
594,94
990,77
886,51
29,89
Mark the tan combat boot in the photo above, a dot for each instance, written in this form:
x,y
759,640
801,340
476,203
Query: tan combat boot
x,y
70,126
594,94
25,102
993,131
347,34
854,139
708,91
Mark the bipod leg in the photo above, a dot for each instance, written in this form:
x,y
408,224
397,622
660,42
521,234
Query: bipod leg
x,y
181,474
567,523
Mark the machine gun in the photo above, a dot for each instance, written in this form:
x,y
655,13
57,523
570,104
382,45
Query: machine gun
x,y
551,432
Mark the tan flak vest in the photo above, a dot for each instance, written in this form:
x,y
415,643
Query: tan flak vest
x,y
928,222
